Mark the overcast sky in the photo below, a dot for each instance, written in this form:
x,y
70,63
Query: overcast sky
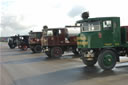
x,y
21,16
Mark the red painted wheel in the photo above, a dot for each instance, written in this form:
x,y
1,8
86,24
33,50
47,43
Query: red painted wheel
x,y
56,52
37,49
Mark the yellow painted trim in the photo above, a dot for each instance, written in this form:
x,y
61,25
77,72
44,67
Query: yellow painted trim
x,y
78,38
107,44
81,38
117,44
82,43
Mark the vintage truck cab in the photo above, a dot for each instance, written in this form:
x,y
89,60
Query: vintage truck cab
x,y
55,41
102,39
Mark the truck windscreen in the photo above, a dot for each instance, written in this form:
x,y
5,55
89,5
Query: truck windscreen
x,y
35,35
91,26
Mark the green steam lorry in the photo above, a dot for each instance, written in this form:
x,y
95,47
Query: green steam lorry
x,y
102,39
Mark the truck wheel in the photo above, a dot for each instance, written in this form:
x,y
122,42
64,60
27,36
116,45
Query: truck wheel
x,y
85,60
75,52
89,62
107,59
48,54
37,49
12,46
56,52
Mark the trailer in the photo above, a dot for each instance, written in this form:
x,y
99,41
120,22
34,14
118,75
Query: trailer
x,y
35,41
55,41
102,40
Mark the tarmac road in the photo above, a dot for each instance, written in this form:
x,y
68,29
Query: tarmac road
x,y
25,68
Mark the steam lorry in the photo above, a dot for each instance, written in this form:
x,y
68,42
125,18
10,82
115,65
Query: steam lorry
x,y
18,40
102,40
35,41
55,41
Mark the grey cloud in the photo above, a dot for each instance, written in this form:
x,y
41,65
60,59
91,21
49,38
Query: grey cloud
x,y
12,22
11,25
75,11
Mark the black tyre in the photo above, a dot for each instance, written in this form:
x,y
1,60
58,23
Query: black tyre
x,y
32,50
37,49
107,59
75,51
86,61
12,46
48,53
89,62
56,52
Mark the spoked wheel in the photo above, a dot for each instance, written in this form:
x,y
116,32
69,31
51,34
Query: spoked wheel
x,y
88,62
56,52
107,59
37,49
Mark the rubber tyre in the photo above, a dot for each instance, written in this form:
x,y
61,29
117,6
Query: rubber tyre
x,y
107,59
89,63
75,52
12,46
33,50
56,52
37,49
48,54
